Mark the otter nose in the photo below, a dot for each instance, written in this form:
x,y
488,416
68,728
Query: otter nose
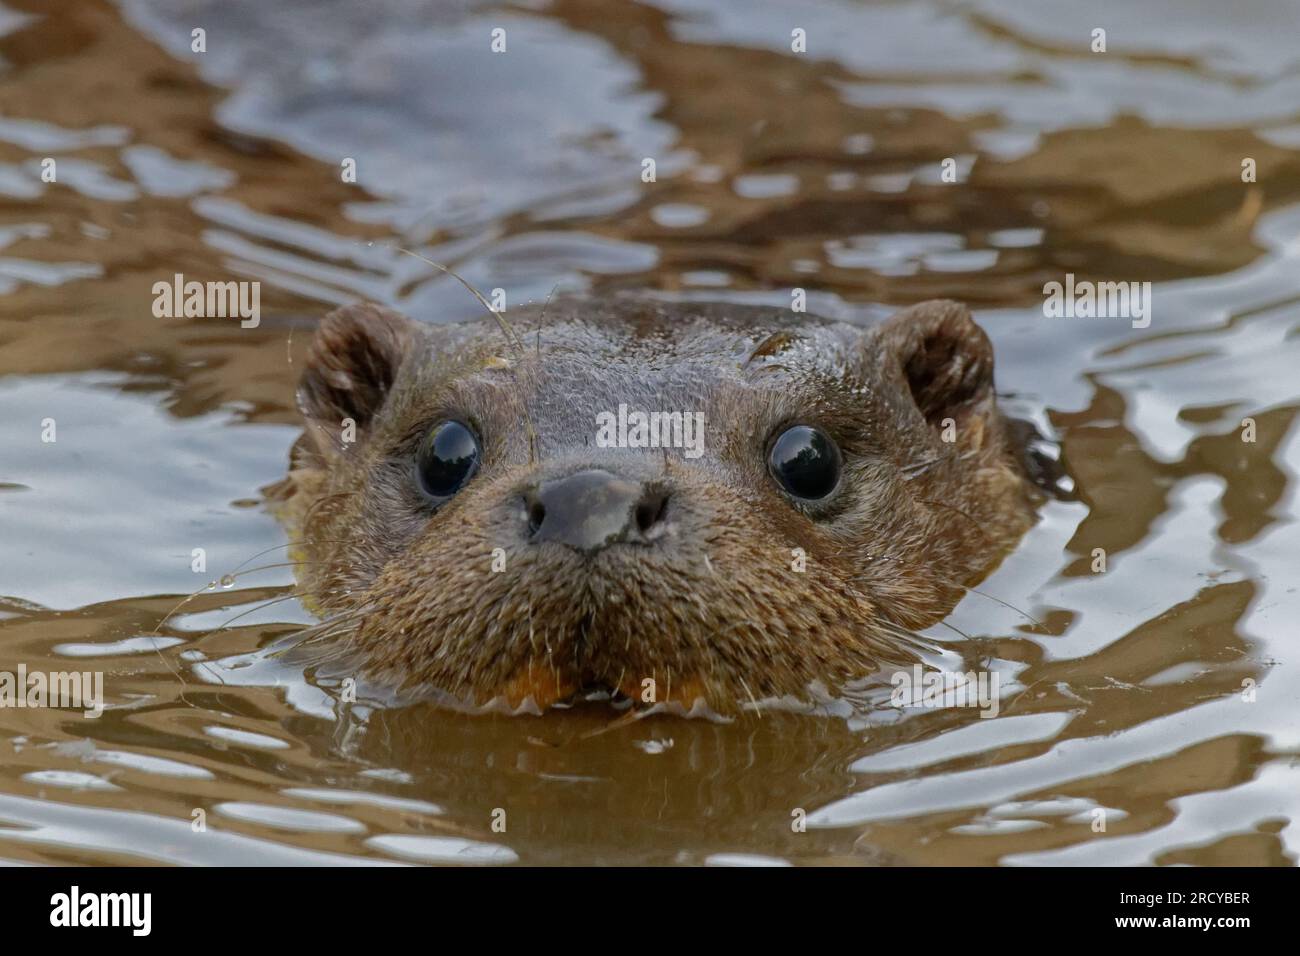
x,y
591,509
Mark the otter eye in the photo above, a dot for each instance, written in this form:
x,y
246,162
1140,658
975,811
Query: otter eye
x,y
447,458
805,462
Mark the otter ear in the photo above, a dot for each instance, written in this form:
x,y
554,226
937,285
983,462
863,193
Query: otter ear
x,y
945,357
351,366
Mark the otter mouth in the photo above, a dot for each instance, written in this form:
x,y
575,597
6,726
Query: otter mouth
x,y
591,687
636,627
593,676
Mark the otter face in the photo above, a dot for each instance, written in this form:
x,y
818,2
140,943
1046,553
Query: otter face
x,y
490,514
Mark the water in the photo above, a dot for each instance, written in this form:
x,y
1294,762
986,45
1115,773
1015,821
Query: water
x,y
1162,691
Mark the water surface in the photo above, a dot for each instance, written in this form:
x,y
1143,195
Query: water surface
x,y
1123,691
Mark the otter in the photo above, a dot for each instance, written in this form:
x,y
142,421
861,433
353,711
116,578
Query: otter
x,y
515,512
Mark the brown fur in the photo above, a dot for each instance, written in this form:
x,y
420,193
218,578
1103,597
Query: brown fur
x,y
713,609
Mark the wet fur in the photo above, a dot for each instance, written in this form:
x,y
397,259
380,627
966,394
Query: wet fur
x,y
714,609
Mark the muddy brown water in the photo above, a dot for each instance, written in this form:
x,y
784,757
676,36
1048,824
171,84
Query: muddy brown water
x,y
1164,691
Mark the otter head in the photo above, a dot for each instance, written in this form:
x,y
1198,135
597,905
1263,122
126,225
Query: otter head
x,y
666,501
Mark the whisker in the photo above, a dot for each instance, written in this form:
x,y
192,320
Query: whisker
x,y
240,566
921,467
753,700
507,329
316,632
956,630
264,567
207,667
989,597
288,544
265,604
975,524
225,581
546,305
1009,606
904,640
